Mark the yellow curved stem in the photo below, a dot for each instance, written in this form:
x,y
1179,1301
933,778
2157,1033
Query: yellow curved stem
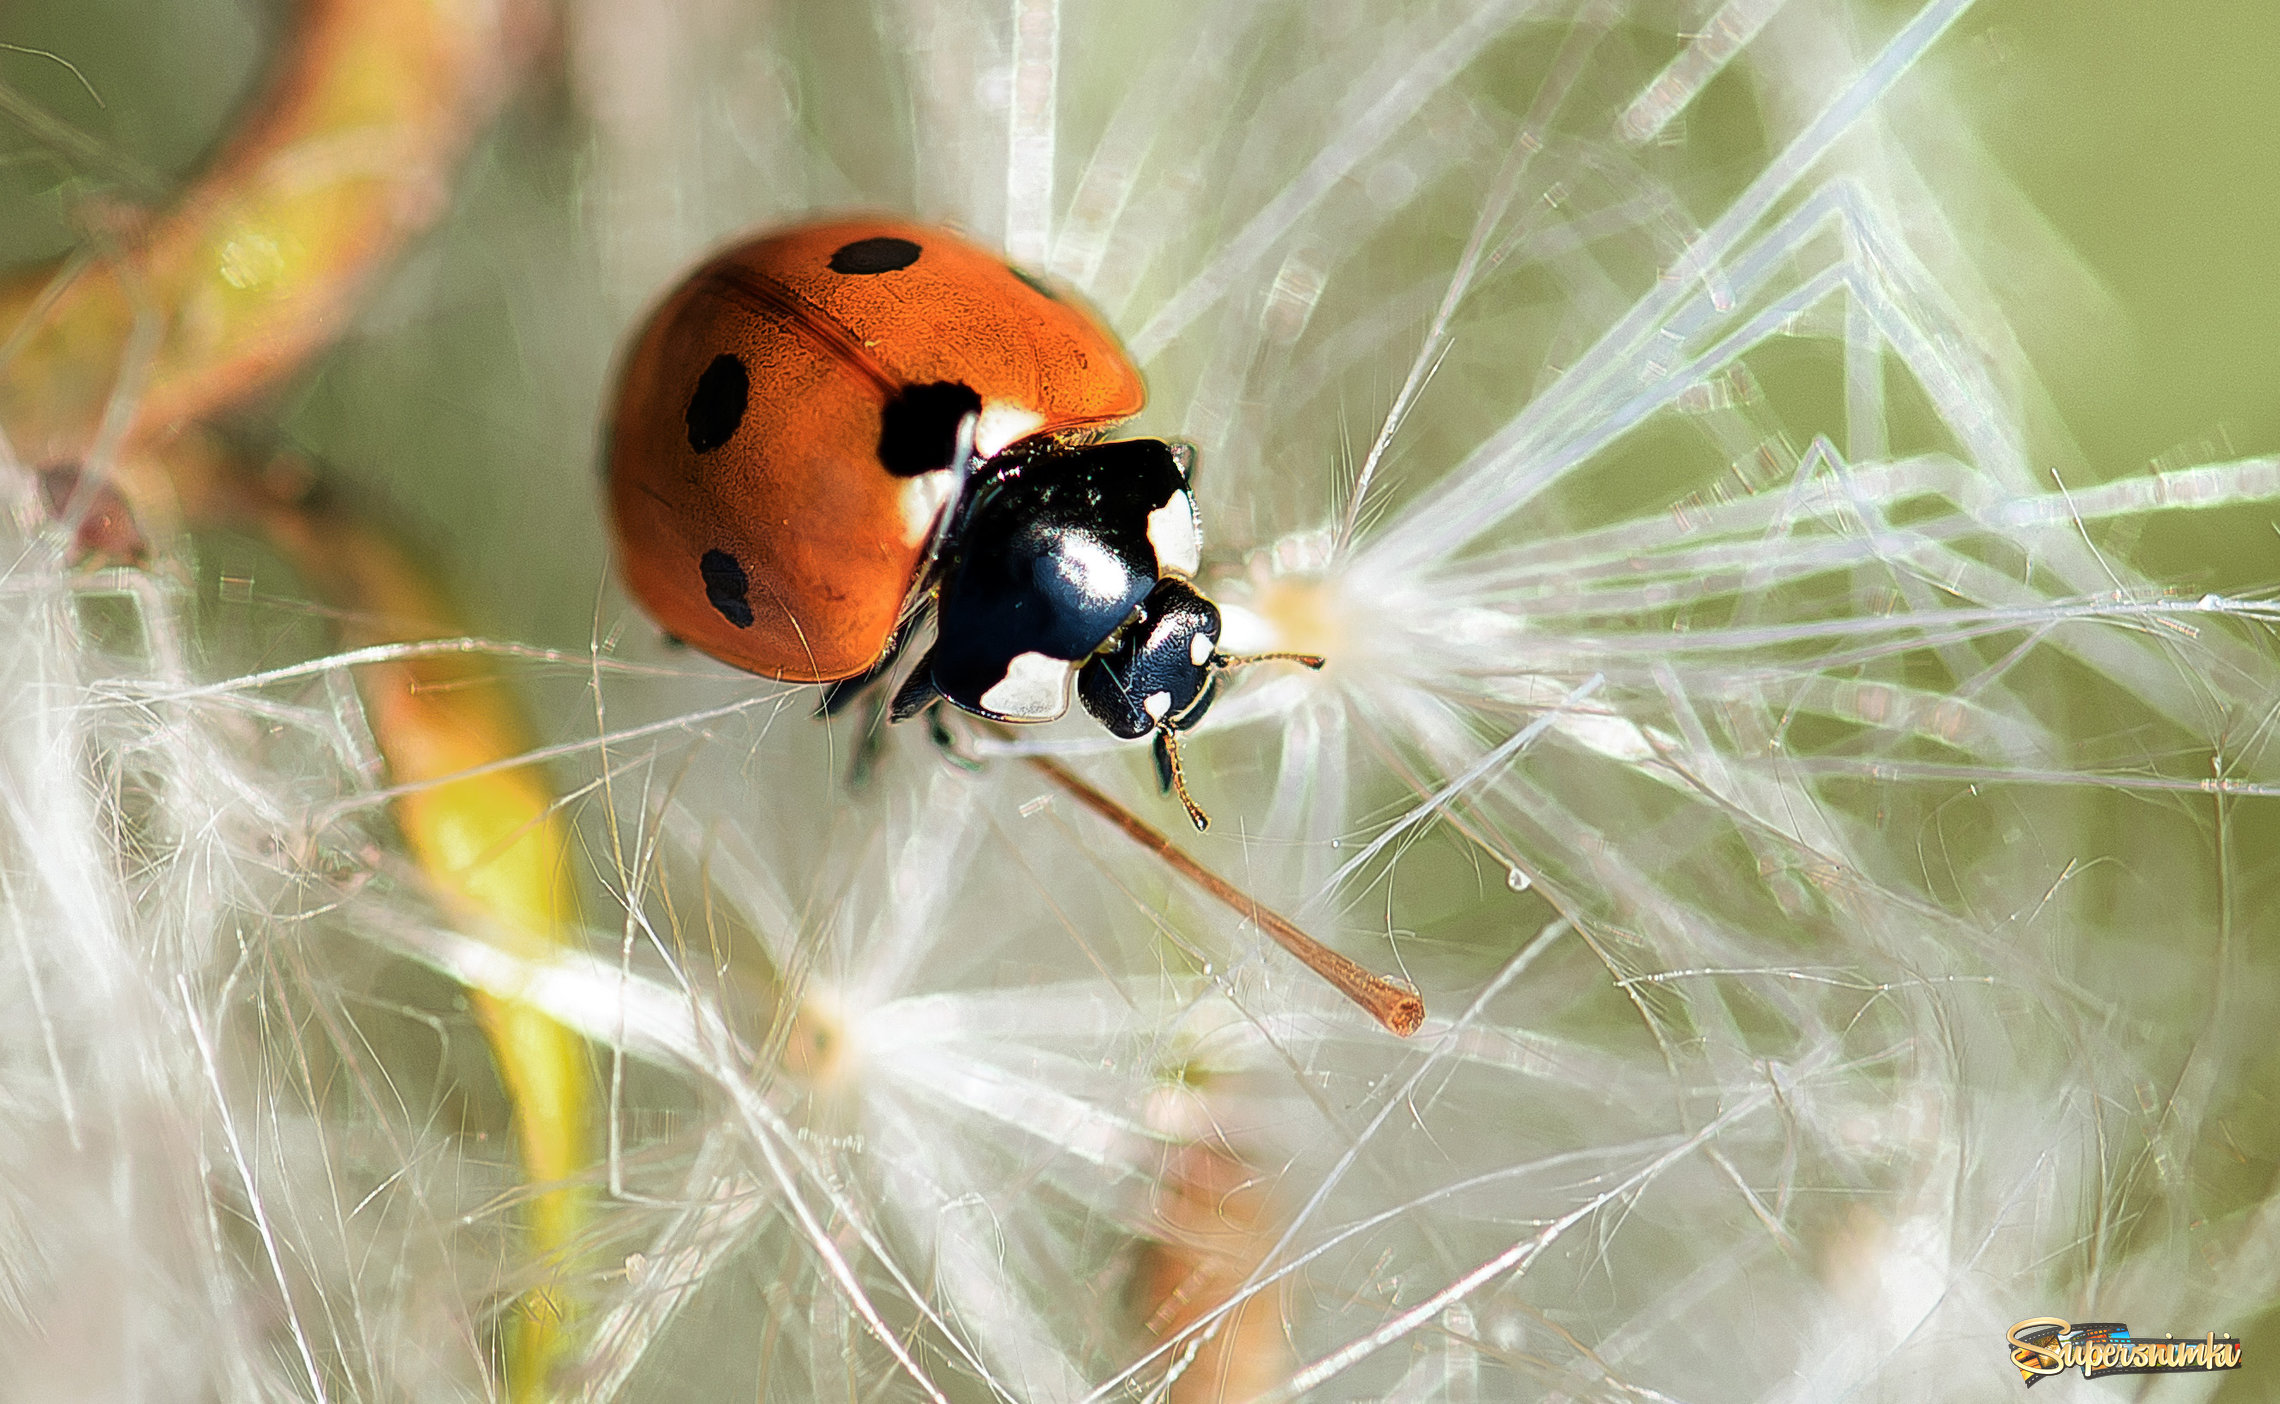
x,y
494,846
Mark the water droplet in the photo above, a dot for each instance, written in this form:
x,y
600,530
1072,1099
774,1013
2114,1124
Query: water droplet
x,y
1518,881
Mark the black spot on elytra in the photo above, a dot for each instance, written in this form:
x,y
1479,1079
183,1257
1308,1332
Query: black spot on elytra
x,y
1035,284
918,430
880,255
726,587
717,406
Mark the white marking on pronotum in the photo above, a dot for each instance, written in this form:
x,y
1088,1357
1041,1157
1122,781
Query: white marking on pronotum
x,y
1171,530
1035,688
921,501
1199,649
1157,704
1002,423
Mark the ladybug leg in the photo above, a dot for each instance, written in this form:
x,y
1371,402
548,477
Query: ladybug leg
x,y
917,693
870,740
1163,764
938,728
868,688
837,695
937,718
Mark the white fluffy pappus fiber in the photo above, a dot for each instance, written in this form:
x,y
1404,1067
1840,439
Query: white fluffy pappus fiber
x,y
1834,864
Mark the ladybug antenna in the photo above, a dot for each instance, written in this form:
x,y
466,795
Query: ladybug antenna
x,y
1168,749
1245,660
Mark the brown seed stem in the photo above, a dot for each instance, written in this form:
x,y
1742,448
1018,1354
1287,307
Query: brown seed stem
x,y
1391,1003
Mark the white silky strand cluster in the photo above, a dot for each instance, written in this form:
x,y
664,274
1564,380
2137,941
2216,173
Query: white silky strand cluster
x,y
178,855
1744,773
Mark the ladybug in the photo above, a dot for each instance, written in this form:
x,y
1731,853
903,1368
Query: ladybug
x,y
829,432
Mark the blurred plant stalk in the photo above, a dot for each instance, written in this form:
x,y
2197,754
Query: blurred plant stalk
x,y
491,840
170,317
348,152
1216,1227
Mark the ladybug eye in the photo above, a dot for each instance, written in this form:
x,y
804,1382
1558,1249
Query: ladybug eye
x,y
880,255
918,429
717,407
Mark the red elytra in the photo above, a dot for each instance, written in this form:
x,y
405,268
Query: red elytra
x,y
782,439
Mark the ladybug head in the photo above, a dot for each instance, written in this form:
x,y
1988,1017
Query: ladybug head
x,y
1157,675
